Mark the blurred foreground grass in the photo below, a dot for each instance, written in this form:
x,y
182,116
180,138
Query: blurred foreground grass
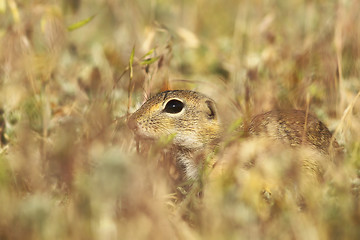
x,y
68,164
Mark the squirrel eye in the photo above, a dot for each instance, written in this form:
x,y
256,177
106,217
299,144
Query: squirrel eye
x,y
174,106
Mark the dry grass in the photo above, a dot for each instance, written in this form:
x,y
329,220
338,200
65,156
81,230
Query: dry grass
x,y
69,168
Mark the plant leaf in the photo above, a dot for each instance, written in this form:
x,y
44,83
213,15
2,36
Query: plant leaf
x,y
131,61
149,61
80,24
148,53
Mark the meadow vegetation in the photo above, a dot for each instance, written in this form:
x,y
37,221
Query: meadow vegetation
x,y
72,71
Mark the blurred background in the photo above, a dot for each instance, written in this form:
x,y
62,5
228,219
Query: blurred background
x,y
72,70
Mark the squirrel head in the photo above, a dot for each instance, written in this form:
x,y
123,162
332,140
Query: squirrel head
x,y
190,116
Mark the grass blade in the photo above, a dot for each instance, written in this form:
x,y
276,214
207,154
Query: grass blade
x,y
80,24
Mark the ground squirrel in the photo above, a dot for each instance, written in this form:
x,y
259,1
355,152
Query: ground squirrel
x,y
190,116
193,119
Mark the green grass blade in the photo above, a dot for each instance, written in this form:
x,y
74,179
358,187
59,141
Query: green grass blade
x,y
80,24
149,61
131,61
149,53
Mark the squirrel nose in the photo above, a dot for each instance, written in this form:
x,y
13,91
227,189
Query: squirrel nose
x,y
131,122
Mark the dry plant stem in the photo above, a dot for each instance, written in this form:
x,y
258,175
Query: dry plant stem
x,y
131,60
45,128
32,83
119,78
347,111
129,98
130,89
137,145
306,117
338,41
247,105
148,81
116,83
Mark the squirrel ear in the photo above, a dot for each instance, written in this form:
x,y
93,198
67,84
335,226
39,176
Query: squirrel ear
x,y
211,111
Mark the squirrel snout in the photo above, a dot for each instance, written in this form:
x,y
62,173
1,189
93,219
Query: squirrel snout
x,y
132,124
